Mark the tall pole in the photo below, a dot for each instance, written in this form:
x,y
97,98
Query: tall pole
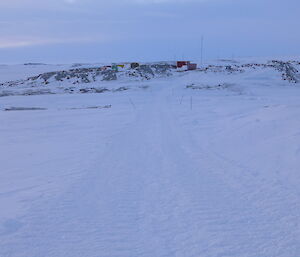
x,y
202,40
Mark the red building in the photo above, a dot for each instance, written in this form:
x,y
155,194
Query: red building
x,y
180,64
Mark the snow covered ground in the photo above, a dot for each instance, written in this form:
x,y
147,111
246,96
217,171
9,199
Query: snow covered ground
x,y
196,164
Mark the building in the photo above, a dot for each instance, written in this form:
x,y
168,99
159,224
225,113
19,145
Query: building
x,y
180,64
192,66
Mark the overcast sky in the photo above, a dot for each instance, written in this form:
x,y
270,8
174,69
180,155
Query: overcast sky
x,y
67,31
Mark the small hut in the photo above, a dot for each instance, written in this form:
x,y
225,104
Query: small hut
x,y
192,66
180,64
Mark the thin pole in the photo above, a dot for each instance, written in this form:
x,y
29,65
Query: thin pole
x,y
191,103
202,41
181,100
133,105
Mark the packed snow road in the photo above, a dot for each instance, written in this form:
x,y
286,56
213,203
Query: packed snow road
x,y
164,172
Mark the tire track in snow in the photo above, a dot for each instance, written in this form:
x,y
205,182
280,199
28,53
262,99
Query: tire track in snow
x,y
154,192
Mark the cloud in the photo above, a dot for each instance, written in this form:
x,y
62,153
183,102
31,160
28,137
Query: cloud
x,y
36,41
128,25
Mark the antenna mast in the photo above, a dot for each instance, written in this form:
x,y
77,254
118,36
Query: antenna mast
x,y
202,40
